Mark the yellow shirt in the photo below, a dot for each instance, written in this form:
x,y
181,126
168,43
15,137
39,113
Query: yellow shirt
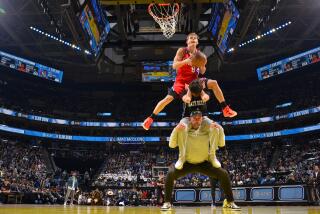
x,y
197,147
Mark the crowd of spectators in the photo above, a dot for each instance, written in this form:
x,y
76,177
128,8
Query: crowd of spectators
x,y
79,154
132,168
296,162
131,177
23,170
119,197
246,166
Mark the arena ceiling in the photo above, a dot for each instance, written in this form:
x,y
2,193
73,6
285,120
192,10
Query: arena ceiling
x,y
123,48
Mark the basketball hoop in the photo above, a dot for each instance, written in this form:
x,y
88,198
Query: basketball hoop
x,y
165,15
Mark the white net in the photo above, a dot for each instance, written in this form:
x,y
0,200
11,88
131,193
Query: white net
x,y
166,16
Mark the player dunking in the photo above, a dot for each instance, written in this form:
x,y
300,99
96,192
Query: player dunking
x,y
185,74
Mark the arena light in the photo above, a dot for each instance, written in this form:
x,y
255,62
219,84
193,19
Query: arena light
x,y
284,105
2,11
260,36
230,50
49,36
214,113
104,114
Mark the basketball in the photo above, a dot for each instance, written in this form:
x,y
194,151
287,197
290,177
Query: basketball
x,y
199,59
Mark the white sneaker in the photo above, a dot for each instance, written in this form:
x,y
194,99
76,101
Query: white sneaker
x,y
213,206
179,164
166,206
230,205
65,204
214,161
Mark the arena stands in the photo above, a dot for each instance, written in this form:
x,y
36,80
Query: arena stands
x,y
252,100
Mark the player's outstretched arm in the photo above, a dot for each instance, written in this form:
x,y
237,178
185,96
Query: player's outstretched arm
x,y
178,59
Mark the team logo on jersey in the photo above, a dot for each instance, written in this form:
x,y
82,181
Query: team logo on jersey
x,y
195,70
196,103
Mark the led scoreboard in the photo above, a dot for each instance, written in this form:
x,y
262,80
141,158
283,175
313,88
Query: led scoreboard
x,y
158,71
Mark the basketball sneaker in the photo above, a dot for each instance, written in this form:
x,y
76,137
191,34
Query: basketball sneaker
x,y
230,205
166,206
147,123
228,112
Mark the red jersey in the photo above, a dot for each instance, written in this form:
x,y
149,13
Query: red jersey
x,y
185,74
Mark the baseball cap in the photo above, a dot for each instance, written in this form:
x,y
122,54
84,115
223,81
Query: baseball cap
x,y
195,113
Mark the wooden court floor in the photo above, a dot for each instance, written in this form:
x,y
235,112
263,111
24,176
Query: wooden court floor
x,y
59,209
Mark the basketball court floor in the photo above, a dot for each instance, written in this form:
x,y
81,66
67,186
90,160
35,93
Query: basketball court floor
x,y
40,209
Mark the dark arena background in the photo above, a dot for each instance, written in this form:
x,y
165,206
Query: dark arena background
x,y
79,77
